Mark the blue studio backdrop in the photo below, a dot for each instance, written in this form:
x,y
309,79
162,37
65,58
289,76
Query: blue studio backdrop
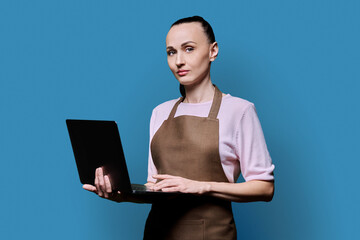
x,y
298,61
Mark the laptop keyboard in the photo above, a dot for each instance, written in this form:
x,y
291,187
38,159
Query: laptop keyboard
x,y
138,187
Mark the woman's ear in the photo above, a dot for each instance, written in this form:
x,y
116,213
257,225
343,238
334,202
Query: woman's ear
x,y
214,50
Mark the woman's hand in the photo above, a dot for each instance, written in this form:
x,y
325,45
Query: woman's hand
x,y
171,183
103,187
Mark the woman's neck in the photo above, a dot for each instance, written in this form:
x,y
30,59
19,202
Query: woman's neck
x,y
202,92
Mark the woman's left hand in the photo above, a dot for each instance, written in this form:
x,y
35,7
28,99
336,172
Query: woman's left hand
x,y
171,183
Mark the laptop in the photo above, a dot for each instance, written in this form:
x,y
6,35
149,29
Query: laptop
x,y
97,144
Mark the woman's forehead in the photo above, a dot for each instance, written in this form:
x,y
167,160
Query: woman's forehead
x,y
185,32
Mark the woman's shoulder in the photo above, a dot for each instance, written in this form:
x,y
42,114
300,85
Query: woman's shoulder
x,y
165,106
236,103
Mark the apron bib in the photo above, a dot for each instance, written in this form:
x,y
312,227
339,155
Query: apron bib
x,y
188,146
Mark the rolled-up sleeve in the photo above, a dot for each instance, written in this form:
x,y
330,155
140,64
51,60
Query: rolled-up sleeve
x,y
255,160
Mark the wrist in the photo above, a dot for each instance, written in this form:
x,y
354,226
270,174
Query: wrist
x,y
207,187
212,187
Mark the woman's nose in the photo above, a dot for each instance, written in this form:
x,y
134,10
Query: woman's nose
x,y
179,60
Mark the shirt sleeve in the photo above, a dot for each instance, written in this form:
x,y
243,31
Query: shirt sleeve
x,y
151,166
255,161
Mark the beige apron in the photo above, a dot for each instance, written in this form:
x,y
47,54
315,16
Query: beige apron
x,y
188,146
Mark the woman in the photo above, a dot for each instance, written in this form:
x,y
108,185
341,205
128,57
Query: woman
x,y
199,144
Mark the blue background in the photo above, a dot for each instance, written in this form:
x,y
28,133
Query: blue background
x,y
298,61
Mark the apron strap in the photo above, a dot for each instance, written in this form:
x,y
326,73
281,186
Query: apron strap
x,y
215,104
214,107
173,110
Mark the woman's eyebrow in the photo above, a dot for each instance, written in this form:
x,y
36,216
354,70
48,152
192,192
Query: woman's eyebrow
x,y
183,44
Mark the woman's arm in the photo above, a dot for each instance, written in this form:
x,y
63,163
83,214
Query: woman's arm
x,y
251,191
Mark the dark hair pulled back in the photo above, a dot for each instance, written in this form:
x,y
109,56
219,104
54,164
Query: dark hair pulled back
x,y
207,29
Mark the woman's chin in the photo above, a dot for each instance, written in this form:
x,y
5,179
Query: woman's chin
x,y
186,81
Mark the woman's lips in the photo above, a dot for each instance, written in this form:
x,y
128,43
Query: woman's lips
x,y
182,72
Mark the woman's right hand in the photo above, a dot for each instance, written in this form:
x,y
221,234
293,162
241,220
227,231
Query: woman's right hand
x,y
103,187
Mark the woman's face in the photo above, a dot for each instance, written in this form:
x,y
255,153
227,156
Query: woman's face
x,y
189,53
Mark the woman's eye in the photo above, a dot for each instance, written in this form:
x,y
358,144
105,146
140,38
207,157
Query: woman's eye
x,y
171,52
189,49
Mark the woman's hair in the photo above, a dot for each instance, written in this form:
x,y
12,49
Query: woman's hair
x,y
207,30
206,26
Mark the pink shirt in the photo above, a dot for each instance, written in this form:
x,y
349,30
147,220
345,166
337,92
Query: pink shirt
x,y
242,144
